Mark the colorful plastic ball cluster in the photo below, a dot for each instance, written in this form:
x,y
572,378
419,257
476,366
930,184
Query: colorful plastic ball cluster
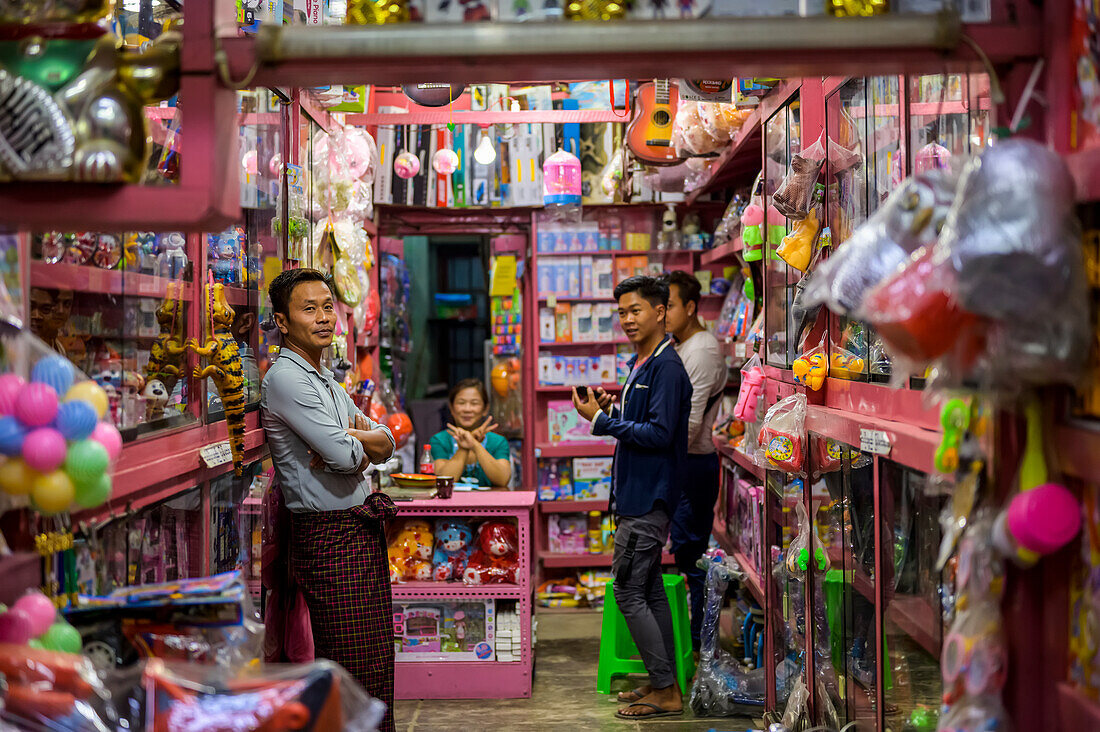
x,y
33,621
58,449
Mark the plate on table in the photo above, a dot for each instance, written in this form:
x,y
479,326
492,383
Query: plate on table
x,y
414,480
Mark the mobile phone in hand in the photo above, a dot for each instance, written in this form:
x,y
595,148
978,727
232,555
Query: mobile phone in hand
x,y
585,393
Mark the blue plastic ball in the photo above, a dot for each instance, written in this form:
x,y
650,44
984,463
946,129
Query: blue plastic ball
x,y
12,434
55,371
75,420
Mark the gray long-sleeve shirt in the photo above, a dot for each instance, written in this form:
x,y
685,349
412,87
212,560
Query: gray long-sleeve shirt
x,y
306,411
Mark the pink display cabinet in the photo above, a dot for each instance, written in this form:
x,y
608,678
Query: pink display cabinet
x,y
474,679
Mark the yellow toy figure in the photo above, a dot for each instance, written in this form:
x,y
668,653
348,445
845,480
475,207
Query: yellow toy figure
x,y
166,354
797,247
225,368
811,370
410,552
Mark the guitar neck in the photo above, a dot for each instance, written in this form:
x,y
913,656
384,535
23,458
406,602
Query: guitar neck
x,y
660,93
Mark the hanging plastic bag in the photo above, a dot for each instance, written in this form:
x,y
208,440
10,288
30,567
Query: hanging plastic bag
x,y
723,121
782,438
797,247
806,549
909,219
689,134
795,194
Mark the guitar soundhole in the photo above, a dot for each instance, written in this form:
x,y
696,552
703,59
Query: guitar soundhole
x,y
661,117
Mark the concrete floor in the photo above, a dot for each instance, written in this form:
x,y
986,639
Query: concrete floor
x,y
564,695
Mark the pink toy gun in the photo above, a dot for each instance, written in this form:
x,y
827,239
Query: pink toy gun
x,y
752,384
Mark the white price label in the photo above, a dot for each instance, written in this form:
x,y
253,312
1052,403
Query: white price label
x,y
875,442
217,454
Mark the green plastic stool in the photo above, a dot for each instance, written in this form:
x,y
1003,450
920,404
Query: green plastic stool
x,y
618,654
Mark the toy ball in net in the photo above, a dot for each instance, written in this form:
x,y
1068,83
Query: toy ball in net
x,y
406,165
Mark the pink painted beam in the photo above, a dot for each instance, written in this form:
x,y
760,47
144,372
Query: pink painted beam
x,y
442,116
911,445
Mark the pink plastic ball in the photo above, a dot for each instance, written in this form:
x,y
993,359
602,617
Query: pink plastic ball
x,y
36,405
250,163
10,386
445,161
406,165
275,165
15,627
39,610
107,435
44,449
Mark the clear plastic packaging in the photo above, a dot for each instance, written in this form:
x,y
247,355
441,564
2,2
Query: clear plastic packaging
x,y
909,219
689,132
797,247
722,688
782,438
723,121
729,226
812,367
496,555
1002,296
806,549
752,388
795,196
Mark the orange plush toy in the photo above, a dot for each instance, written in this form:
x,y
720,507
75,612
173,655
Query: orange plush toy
x,y
411,551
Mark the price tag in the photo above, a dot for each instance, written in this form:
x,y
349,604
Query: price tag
x,y
875,442
217,454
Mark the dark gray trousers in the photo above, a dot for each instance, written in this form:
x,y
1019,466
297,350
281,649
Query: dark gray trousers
x,y
640,592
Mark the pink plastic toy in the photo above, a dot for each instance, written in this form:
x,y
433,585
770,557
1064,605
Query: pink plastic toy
x,y
39,611
1037,522
10,386
36,405
15,627
752,384
44,449
107,435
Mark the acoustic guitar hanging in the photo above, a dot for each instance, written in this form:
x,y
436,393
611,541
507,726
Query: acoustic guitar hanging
x,y
649,134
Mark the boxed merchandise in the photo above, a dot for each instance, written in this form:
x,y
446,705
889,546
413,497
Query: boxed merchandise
x,y
437,630
563,323
547,328
592,478
555,480
587,283
567,533
607,370
584,330
605,315
565,425
603,279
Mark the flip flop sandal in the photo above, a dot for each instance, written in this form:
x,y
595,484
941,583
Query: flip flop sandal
x,y
635,695
657,712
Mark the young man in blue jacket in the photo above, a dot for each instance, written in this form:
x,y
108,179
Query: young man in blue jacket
x,y
651,426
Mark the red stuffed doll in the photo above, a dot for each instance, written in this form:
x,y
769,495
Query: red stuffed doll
x,y
496,558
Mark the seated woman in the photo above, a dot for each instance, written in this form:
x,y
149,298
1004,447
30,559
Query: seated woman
x,y
469,451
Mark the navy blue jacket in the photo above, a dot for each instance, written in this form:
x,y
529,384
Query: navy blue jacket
x,y
651,426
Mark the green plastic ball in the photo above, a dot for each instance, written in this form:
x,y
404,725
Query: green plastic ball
x,y
62,637
86,461
95,493
36,644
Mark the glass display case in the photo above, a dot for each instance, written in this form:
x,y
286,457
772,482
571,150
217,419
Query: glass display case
x,y
782,140
844,612
789,610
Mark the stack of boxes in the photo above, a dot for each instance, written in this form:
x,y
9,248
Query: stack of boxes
x,y
575,479
509,638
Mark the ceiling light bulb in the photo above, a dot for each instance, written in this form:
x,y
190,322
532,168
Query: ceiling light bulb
x,y
486,152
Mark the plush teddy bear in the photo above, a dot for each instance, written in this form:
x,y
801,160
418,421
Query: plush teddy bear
x,y
453,545
411,551
496,559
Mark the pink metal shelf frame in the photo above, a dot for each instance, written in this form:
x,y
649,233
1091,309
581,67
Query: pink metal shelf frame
x,y
571,506
88,278
568,450
588,344
723,253
466,680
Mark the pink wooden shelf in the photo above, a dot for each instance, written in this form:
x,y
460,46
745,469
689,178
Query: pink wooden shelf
x,y
722,253
462,680
566,389
738,457
602,252
553,559
576,298
1077,710
495,498
574,344
1078,446
755,586
571,506
911,446
574,449
443,115
241,295
454,589
741,158
878,400
83,278
1085,167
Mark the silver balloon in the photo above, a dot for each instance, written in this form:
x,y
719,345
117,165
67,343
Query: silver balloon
x,y
101,161
36,139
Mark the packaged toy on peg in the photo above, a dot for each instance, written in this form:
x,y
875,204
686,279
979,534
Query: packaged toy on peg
x,y
812,367
752,387
782,438
795,196
806,549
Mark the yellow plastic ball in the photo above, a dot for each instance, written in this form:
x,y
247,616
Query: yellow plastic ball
x,y
16,477
52,492
90,392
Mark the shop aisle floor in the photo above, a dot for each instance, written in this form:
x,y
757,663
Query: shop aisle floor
x,y
564,695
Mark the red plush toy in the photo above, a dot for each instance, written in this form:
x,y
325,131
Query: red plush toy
x,y
496,559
